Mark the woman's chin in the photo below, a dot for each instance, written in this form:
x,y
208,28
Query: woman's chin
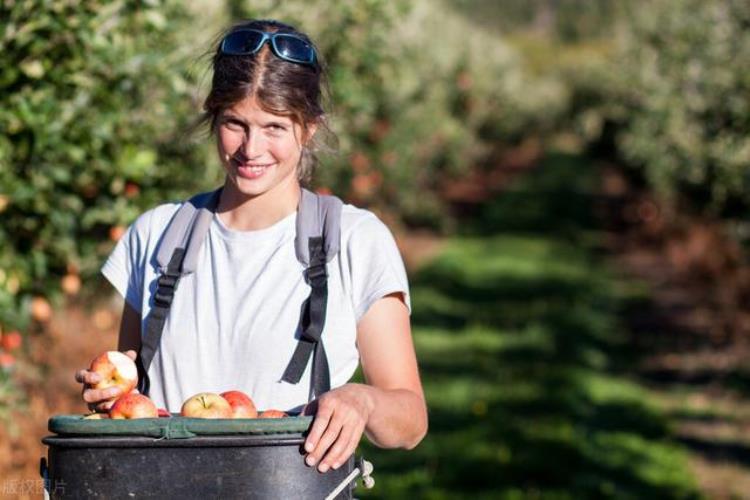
x,y
247,188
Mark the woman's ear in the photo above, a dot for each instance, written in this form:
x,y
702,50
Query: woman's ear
x,y
309,133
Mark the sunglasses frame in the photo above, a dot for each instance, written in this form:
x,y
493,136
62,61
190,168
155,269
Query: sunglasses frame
x,y
270,36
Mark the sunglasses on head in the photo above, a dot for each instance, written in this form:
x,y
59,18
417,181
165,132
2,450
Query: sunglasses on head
x,y
292,48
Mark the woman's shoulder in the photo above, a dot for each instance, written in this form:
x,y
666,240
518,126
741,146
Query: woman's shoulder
x,y
361,227
356,220
155,220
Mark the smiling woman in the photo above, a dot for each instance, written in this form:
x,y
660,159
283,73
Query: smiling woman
x,y
245,305
260,152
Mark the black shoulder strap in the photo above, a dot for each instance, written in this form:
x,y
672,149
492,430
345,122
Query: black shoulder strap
x,y
312,321
318,223
163,296
177,256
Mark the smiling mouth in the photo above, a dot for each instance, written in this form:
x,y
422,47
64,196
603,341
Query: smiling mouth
x,y
252,171
254,167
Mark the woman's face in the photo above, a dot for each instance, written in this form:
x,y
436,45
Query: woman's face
x,y
260,151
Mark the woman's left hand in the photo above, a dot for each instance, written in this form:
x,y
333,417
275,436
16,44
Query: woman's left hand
x,y
340,419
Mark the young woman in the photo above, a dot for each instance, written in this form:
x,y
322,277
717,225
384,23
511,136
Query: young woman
x,y
232,322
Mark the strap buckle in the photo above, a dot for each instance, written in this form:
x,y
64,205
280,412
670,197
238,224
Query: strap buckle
x,y
316,275
165,287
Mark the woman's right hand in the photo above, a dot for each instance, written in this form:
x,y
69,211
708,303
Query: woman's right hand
x,y
99,400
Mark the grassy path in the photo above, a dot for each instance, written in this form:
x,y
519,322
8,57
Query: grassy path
x,y
519,343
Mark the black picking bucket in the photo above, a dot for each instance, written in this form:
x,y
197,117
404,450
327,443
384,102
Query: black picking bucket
x,y
265,463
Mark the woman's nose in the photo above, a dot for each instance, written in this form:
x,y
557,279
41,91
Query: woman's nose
x,y
252,145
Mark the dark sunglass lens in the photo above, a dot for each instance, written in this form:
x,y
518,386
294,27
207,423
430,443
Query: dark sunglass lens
x,y
242,42
293,48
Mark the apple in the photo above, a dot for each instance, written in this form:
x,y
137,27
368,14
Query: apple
x,y
115,369
70,284
116,232
40,309
242,405
206,405
163,413
273,414
133,405
96,416
11,340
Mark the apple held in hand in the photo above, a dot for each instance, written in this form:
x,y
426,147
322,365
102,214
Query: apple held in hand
x,y
133,405
116,370
206,405
242,405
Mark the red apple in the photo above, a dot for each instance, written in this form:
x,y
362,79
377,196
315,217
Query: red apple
x,y
115,369
206,405
242,405
273,414
163,413
11,340
133,405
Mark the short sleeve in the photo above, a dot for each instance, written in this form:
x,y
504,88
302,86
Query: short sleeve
x,y
376,266
125,266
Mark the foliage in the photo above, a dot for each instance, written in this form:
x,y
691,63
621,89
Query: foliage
x,y
92,102
687,99
96,98
519,345
418,98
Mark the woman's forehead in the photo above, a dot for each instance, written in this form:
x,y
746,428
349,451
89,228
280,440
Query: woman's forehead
x,y
250,109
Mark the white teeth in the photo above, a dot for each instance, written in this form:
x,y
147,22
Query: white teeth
x,y
255,170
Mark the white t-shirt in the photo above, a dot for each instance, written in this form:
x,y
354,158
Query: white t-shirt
x,y
232,323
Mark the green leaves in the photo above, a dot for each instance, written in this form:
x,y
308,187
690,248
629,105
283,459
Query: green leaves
x,y
92,96
685,67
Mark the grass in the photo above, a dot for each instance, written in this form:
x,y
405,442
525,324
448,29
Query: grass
x,y
516,332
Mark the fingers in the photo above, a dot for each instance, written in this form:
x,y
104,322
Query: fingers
x,y
101,395
327,439
131,354
87,377
334,435
344,447
102,407
319,426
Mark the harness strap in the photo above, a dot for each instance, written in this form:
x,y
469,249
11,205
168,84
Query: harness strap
x,y
318,224
181,243
312,321
165,288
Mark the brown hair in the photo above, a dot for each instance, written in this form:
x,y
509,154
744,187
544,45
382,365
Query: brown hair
x,y
280,87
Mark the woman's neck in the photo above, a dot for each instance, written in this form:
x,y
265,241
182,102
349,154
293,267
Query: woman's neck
x,y
251,213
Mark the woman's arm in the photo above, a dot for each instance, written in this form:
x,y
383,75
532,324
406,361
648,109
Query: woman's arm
x,y
130,330
390,409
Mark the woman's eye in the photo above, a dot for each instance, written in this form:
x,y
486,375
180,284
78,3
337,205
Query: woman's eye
x,y
276,127
234,125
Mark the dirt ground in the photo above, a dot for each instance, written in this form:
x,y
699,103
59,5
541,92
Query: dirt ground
x,y
73,337
692,335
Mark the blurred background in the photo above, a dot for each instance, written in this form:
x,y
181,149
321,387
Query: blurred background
x,y
567,180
